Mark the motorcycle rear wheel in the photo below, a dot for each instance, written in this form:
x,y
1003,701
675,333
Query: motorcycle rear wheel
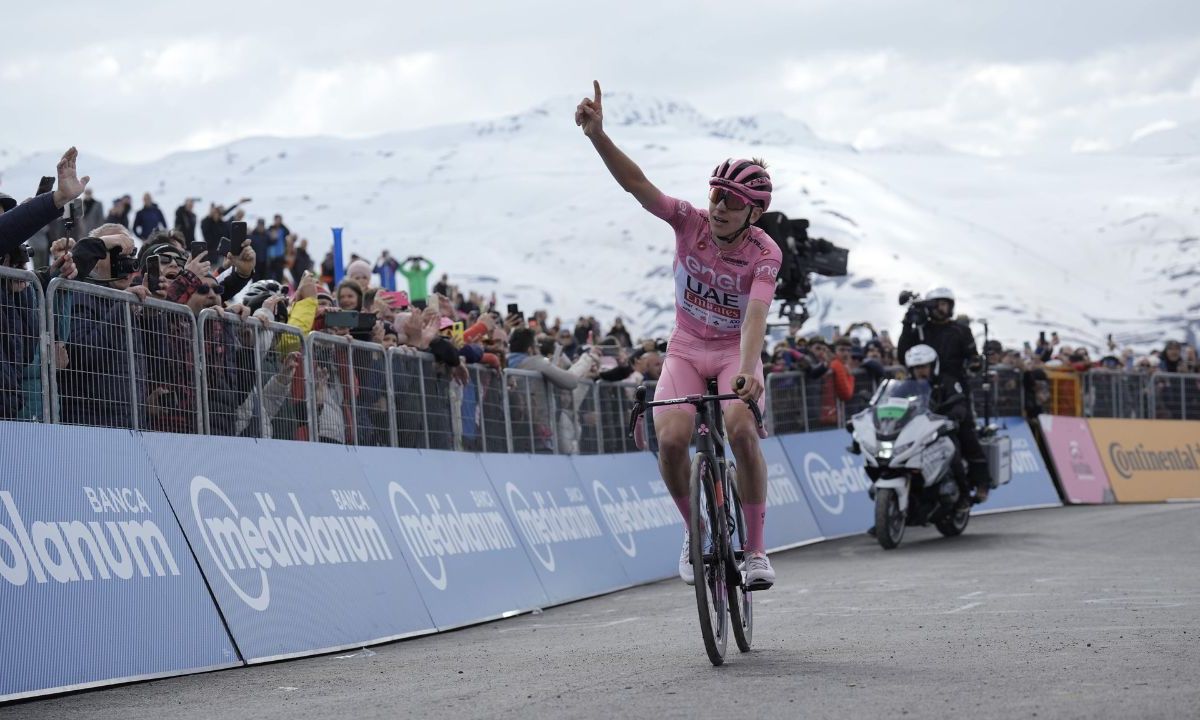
x,y
956,523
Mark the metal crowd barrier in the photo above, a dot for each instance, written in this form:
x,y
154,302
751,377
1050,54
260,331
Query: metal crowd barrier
x,y
529,412
24,376
796,403
91,355
120,361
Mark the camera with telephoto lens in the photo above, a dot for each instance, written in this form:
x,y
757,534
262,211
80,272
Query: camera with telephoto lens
x,y
917,314
122,265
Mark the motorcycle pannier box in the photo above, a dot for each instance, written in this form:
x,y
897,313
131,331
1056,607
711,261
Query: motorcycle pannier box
x,y
998,450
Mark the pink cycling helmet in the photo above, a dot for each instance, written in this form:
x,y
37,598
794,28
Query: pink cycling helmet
x,y
746,178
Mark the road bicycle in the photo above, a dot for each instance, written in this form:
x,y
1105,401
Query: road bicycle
x,y
717,555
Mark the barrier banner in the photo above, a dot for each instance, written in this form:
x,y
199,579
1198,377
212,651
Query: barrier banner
x,y
294,544
832,479
636,511
790,520
562,532
1031,485
466,558
1150,460
97,584
1073,451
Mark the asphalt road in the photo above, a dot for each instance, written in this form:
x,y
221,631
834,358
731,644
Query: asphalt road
x,y
1088,612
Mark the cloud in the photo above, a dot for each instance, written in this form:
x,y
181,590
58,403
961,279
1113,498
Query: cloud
x,y
988,76
1152,128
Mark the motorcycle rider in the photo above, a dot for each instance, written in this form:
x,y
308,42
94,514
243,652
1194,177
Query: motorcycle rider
x,y
947,397
954,345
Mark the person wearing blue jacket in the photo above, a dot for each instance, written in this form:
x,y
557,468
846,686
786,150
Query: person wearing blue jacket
x,y
22,221
148,219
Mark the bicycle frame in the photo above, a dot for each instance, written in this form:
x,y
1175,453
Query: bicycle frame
x,y
721,594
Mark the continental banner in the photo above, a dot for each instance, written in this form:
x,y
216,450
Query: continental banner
x,y
1150,460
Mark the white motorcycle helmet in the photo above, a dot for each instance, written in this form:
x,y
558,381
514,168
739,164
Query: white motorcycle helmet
x,y
941,293
919,355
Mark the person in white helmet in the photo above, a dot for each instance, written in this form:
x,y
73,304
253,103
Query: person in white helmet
x,y
933,325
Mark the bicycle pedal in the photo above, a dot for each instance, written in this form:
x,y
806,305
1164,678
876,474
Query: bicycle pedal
x,y
758,585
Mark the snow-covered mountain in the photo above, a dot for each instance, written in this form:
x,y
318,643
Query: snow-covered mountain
x,y
520,205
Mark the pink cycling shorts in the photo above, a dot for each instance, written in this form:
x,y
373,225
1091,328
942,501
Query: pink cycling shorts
x,y
690,362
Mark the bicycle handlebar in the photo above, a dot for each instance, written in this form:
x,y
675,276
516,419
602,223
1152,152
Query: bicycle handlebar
x,y
640,405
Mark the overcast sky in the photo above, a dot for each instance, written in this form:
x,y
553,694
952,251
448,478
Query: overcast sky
x,y
135,80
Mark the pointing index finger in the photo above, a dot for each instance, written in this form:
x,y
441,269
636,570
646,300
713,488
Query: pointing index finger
x,y
596,86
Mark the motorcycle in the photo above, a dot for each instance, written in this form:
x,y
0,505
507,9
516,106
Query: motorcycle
x,y
917,474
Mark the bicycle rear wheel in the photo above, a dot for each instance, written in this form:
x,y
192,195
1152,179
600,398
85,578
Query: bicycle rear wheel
x,y
741,611
708,550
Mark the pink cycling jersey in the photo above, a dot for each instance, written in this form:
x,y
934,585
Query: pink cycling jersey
x,y
714,287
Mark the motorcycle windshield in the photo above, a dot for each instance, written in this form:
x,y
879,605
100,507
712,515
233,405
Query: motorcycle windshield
x,y
898,401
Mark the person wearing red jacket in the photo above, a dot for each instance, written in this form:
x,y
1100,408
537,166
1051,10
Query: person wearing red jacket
x,y
837,382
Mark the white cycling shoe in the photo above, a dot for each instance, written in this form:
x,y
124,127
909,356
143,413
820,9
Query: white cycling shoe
x,y
758,573
686,573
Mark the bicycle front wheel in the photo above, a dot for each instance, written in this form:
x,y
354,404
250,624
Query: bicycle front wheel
x,y
709,540
741,611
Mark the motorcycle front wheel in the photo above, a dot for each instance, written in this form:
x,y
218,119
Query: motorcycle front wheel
x,y
889,521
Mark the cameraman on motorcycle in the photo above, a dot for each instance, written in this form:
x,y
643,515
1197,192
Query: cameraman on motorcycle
x,y
931,323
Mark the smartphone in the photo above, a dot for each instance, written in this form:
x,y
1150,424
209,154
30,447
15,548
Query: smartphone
x,y
342,319
224,245
153,279
366,321
239,234
197,247
456,333
46,185
513,309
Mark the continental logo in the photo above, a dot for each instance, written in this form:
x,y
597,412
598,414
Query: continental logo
x,y
1130,461
68,551
271,538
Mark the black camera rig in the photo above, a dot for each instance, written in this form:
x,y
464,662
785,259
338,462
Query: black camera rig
x,y
802,257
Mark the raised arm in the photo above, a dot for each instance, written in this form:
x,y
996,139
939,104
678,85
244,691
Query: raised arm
x,y
590,116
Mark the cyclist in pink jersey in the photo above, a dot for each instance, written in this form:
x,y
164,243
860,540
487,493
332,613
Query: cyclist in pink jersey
x,y
725,272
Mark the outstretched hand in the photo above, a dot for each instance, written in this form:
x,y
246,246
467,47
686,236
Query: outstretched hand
x,y
589,115
70,185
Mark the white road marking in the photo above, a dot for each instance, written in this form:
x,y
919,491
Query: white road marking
x,y
968,606
968,596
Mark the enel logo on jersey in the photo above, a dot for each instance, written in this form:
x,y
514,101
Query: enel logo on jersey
x,y
720,281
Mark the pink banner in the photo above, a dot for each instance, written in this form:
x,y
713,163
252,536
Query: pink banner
x,y
1073,451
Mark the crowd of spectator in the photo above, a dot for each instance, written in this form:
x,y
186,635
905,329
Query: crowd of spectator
x,y
269,278
847,367
272,278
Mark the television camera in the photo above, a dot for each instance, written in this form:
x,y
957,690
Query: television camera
x,y
802,257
